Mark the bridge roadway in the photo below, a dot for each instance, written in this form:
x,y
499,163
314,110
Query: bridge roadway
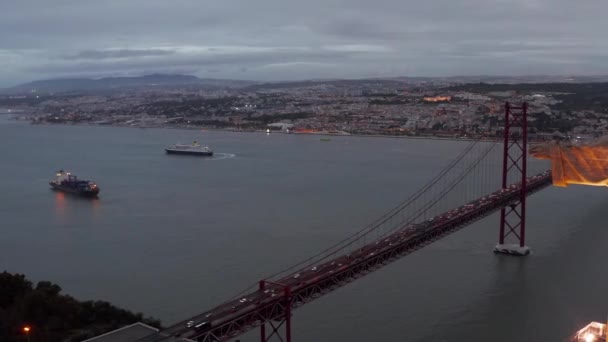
x,y
238,316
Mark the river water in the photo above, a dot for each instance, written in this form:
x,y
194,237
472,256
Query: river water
x,y
173,236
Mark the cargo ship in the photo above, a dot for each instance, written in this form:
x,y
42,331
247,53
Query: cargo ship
x,y
66,182
193,149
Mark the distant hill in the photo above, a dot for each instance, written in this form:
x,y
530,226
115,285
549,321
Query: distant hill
x,y
400,81
117,83
573,96
329,82
110,84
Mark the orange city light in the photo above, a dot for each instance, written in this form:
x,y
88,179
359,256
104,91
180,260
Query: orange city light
x,y
572,164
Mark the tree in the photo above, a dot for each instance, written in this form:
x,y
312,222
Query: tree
x,y
437,126
54,316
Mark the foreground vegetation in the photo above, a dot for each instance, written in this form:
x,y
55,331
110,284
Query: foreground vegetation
x,y
53,316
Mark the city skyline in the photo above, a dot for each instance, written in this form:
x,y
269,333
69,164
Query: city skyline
x,y
272,40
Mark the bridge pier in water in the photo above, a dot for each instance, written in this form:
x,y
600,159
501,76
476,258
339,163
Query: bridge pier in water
x,y
515,154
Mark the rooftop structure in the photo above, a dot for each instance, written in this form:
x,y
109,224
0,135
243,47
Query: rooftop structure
x,y
127,333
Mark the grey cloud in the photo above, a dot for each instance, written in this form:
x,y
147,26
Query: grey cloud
x,y
358,29
199,59
119,53
282,39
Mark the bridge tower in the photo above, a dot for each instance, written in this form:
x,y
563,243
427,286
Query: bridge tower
x,y
280,318
514,169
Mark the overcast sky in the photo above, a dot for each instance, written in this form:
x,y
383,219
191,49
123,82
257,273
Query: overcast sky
x,y
287,39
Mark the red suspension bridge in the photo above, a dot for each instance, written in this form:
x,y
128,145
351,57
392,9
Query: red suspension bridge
x,y
469,181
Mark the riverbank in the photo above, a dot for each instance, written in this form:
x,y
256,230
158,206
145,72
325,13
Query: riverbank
x,y
232,130
321,134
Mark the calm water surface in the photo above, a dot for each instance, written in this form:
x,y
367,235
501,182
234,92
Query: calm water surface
x,y
172,236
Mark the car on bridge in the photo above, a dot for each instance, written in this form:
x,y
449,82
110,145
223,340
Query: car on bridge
x,y
202,325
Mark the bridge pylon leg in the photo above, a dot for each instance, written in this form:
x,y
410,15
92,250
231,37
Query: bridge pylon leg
x,y
512,238
281,321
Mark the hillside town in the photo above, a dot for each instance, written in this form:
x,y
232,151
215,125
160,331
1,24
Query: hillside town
x,y
364,107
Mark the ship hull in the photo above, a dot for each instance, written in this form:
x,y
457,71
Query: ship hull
x,y
84,193
191,153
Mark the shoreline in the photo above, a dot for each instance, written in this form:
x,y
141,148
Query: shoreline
x,y
321,134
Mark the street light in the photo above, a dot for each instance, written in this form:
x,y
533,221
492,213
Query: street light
x,y
26,330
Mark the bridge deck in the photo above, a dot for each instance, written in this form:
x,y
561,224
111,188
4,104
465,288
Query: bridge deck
x,y
236,317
